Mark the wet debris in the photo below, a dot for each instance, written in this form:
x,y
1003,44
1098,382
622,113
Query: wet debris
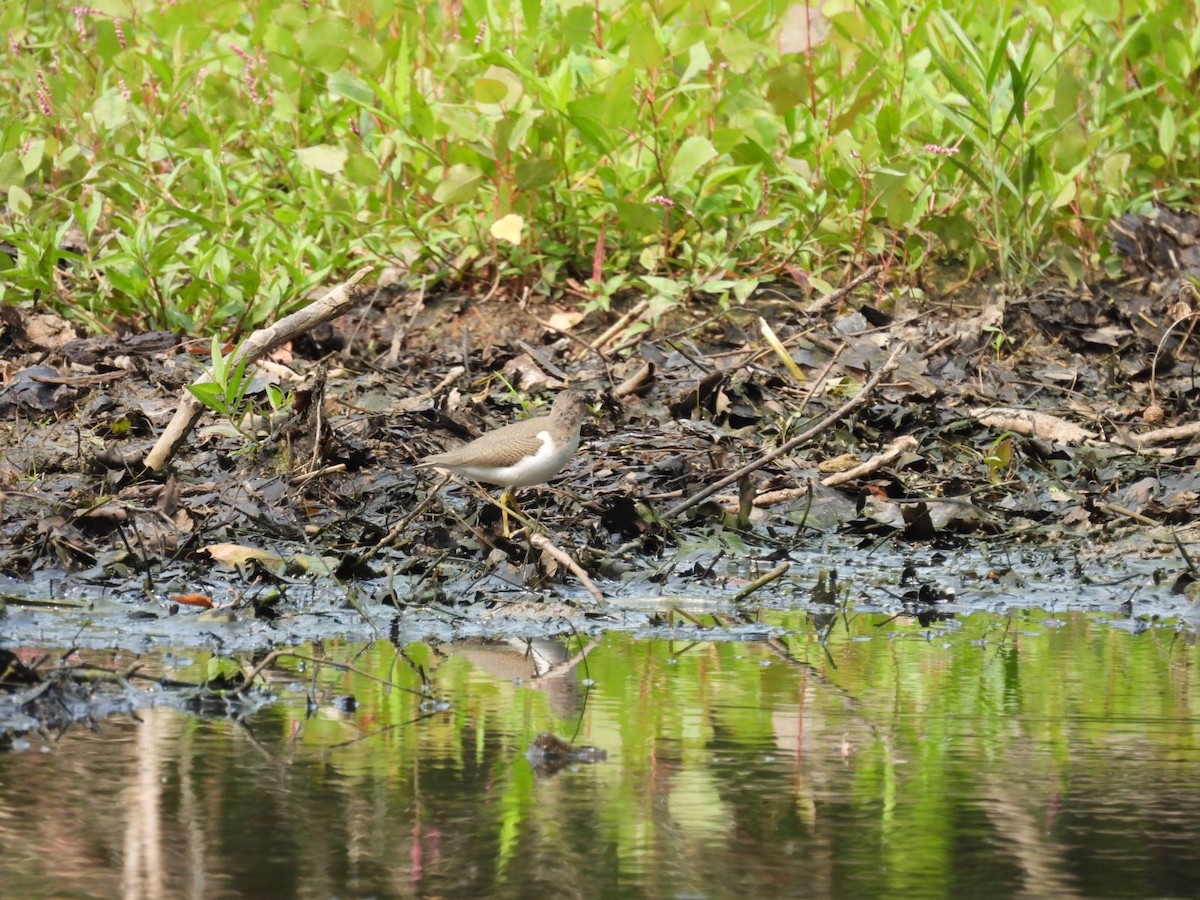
x,y
1060,414
549,754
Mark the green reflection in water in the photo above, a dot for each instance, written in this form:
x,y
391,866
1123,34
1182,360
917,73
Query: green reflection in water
x,y
977,757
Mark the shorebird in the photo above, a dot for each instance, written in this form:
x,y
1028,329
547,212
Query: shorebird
x,y
522,454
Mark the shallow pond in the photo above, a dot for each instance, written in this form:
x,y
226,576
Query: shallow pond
x,y
856,754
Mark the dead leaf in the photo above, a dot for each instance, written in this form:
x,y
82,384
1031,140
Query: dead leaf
x,y
804,27
202,600
508,228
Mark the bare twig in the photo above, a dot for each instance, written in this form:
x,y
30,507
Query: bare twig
x,y
635,383
753,586
543,543
268,660
1128,513
573,338
1162,435
388,539
788,446
900,445
415,402
832,299
820,379
260,343
619,325
298,480
401,333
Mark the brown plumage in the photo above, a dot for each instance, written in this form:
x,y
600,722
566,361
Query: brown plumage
x,y
524,453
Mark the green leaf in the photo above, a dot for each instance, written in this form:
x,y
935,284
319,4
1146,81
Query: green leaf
x,y
669,287
887,126
324,158
497,90
11,170
535,173
699,59
326,42
361,169
638,219
1166,132
587,116
211,395
31,159
218,362
532,10
692,154
91,216
645,47
346,85
459,184
19,202
739,49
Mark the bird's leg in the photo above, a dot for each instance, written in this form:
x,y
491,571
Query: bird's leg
x,y
508,506
505,495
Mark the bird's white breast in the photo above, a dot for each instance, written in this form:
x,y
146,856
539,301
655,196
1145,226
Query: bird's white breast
x,y
542,466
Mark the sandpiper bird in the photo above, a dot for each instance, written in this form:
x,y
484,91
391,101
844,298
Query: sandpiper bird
x,y
521,454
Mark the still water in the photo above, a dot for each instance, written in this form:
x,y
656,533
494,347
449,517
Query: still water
x,y
855,756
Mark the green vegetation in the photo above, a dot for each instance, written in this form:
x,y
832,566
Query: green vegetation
x,y
226,393
220,159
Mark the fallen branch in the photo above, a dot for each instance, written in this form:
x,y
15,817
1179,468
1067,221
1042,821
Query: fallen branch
x,y
753,586
901,445
1163,435
896,448
636,383
1032,424
259,344
788,446
543,543
390,538
618,326
1129,513
832,299
415,402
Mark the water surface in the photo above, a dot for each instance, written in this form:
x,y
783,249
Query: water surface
x,y
856,755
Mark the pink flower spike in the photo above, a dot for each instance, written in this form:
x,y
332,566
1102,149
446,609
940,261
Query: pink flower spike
x,y
938,150
43,95
662,201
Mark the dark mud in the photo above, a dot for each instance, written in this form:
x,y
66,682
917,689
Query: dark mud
x,y
1031,449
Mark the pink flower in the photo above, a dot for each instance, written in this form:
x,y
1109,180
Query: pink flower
x,y
43,95
251,85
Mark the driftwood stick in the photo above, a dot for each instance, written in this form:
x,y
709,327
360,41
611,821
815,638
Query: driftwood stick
x,y
1162,435
830,300
618,326
543,543
259,344
889,454
758,582
788,446
899,446
635,383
